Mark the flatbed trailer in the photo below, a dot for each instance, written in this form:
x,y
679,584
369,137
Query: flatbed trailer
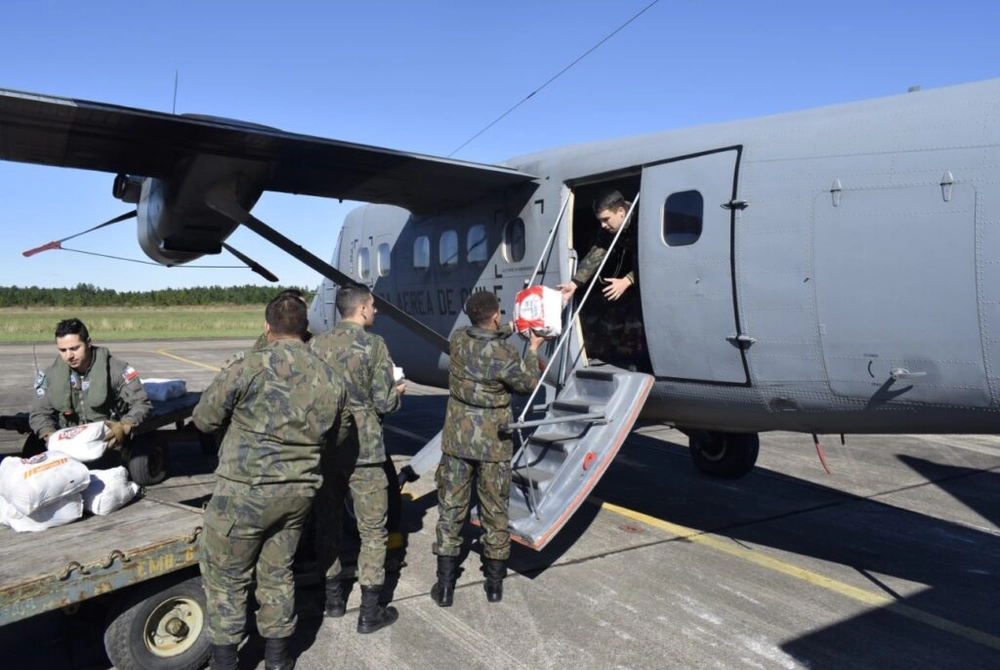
x,y
140,560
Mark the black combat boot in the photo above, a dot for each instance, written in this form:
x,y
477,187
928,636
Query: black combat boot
x,y
374,616
443,591
276,656
224,657
495,571
336,605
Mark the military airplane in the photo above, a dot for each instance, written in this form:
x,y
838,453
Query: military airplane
x,y
828,271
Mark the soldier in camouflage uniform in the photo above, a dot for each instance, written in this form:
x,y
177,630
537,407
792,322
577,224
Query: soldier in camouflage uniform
x,y
612,324
483,372
277,407
362,360
86,384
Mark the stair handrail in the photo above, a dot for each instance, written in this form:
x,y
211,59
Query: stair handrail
x,y
554,355
548,243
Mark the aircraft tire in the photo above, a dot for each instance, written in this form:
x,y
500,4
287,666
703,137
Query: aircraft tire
x,y
157,628
724,455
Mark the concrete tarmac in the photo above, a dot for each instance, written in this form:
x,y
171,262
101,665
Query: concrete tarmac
x,y
891,561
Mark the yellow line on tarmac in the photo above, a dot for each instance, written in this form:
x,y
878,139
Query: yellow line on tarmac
x,y
868,597
164,352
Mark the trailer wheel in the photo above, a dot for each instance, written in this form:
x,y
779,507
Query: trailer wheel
x,y
160,629
725,455
147,459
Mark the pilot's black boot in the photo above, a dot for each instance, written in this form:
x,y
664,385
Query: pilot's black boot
x,y
443,591
336,604
224,657
276,655
495,571
374,616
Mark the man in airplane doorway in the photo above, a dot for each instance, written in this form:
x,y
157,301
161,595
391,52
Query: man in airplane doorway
x,y
619,272
612,324
484,370
362,360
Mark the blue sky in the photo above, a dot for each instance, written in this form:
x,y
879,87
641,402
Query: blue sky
x,y
426,77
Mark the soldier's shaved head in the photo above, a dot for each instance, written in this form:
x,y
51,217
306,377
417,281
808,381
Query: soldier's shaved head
x,y
481,308
286,316
350,298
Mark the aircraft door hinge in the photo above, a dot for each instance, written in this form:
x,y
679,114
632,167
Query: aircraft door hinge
x,y
743,341
947,182
738,205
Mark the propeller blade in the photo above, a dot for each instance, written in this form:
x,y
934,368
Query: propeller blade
x,y
55,244
252,264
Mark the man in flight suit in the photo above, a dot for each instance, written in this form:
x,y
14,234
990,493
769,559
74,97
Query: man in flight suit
x,y
86,384
362,360
277,407
484,370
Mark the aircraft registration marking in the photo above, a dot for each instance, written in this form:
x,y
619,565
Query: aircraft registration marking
x,y
868,597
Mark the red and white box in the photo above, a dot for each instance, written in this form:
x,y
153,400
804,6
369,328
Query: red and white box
x,y
538,309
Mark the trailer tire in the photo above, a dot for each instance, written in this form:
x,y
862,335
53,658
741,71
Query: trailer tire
x,y
724,455
147,459
160,629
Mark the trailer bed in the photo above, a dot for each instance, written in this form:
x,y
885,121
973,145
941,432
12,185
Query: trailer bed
x,y
153,535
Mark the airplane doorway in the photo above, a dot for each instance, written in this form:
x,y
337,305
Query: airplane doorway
x,y
612,330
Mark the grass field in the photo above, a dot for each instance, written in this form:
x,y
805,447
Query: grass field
x,y
141,323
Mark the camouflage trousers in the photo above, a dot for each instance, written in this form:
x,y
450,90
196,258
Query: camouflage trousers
x,y
368,485
454,485
244,534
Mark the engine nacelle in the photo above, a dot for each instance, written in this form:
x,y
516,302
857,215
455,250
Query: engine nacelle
x,y
127,188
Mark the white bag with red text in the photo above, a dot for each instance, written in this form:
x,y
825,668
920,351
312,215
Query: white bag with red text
x,y
57,513
85,442
30,483
538,309
109,490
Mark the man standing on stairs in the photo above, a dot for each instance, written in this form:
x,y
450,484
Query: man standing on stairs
x,y
484,370
356,464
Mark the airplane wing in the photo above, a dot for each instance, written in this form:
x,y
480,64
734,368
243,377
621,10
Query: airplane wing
x,y
87,135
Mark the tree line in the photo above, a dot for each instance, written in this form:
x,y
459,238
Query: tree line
x,y
88,295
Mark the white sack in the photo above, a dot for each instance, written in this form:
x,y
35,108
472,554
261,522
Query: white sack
x,y
85,442
108,491
164,389
538,309
58,513
30,483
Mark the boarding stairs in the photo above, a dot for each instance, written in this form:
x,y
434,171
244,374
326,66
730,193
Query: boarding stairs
x,y
568,443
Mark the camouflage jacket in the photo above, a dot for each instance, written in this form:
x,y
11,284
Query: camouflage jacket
x,y
483,372
277,407
109,390
362,359
621,264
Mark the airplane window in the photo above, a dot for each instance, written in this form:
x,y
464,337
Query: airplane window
x,y
448,249
475,244
364,263
421,253
383,260
513,241
682,218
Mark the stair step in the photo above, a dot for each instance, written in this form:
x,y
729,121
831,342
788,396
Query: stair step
x,y
553,439
595,373
577,406
536,475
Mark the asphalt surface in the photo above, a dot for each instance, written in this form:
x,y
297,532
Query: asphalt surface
x,y
891,561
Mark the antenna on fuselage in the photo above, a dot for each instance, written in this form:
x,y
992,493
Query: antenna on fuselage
x,y
174,110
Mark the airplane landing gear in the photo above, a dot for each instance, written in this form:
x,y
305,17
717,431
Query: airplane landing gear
x,y
725,455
